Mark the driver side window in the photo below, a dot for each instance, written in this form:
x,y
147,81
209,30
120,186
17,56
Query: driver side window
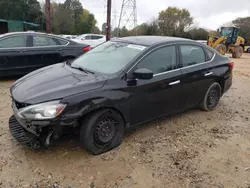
x,y
160,60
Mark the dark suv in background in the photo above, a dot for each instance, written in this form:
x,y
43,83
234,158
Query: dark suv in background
x,y
24,52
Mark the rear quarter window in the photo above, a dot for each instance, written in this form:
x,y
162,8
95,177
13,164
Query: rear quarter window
x,y
62,42
210,54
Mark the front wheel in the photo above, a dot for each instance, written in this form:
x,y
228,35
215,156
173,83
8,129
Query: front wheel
x,y
212,97
102,131
238,51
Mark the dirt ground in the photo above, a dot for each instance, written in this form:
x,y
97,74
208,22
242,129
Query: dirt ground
x,y
195,149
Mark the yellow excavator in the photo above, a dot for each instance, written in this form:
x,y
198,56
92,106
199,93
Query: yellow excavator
x,y
228,41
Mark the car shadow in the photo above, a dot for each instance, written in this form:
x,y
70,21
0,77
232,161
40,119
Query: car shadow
x,y
71,144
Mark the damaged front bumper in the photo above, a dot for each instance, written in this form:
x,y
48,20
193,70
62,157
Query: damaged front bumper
x,y
37,134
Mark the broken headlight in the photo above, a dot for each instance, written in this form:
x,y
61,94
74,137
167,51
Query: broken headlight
x,y
43,111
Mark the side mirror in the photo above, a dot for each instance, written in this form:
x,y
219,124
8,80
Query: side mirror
x,y
144,74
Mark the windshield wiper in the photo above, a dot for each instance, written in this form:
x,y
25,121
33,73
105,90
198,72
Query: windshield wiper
x,y
83,70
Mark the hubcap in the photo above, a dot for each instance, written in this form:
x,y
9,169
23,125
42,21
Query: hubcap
x,y
213,97
105,131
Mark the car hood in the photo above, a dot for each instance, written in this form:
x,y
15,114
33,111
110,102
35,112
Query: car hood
x,y
54,82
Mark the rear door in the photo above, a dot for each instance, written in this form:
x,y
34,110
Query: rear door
x,y
12,59
196,74
44,51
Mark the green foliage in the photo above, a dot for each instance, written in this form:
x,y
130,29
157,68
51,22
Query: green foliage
x,y
198,34
71,18
66,18
174,21
244,24
61,21
104,25
26,10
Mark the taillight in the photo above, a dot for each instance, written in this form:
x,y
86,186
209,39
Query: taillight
x,y
86,49
231,65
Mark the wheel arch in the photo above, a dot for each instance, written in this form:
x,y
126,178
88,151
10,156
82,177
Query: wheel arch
x,y
221,81
97,109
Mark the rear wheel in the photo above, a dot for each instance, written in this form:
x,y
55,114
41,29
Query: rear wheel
x,y
212,97
221,48
238,52
102,131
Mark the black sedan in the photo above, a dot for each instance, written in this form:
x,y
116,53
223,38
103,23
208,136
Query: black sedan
x,y
24,52
116,86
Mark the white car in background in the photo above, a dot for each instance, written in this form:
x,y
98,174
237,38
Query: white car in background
x,y
90,39
202,41
68,36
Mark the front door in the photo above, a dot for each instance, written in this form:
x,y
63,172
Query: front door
x,y
160,95
12,60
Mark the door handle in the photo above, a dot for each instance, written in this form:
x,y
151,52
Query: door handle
x,y
174,83
208,74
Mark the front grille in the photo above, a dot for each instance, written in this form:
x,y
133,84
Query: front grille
x,y
21,135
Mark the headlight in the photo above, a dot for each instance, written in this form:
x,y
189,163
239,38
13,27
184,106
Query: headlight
x,y
48,110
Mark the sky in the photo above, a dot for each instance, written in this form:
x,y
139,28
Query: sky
x,y
208,14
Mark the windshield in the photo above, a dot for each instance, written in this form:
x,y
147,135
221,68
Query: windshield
x,y
226,32
109,57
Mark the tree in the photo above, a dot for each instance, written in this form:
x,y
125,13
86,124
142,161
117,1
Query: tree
x,y
25,10
74,8
62,22
104,26
244,24
95,30
63,14
198,34
174,21
87,22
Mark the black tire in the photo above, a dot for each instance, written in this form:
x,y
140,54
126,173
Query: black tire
x,y
238,52
212,97
102,131
221,48
248,50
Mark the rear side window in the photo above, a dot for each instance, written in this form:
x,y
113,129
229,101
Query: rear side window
x,y
14,42
192,55
210,54
95,37
88,37
43,41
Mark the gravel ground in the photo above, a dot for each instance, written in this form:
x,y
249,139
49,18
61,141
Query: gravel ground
x,y
194,149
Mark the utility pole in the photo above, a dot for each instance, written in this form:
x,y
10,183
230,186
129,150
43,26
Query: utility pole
x,y
47,12
108,26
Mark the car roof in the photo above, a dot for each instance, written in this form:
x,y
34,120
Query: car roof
x,y
29,32
91,34
150,40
